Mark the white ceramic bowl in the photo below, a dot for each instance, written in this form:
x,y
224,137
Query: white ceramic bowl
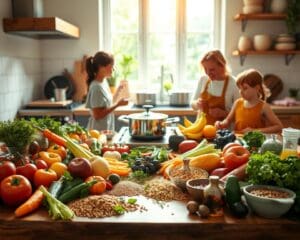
x,y
253,2
252,9
262,42
269,207
285,40
285,46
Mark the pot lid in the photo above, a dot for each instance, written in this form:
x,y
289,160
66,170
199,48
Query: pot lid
x,y
147,114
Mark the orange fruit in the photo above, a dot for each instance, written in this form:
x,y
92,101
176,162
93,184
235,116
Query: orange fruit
x,y
59,168
209,131
94,133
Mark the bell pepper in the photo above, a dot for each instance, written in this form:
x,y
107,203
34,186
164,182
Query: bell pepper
x,y
60,150
50,157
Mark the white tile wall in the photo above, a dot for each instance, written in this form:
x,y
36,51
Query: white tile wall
x,y
20,82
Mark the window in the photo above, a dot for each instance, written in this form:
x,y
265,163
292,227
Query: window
x,y
166,37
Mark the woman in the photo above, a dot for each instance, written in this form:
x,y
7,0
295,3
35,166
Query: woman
x,y
217,91
99,98
251,112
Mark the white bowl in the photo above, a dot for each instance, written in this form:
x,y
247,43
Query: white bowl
x,y
253,2
285,39
269,207
262,42
285,46
252,9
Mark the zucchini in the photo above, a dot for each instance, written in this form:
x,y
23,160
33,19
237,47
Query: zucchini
x,y
232,190
56,187
71,184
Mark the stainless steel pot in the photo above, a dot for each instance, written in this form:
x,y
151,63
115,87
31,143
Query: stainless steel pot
x,y
180,98
147,125
145,98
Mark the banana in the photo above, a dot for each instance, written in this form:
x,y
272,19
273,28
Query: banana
x,y
181,127
186,122
197,126
195,136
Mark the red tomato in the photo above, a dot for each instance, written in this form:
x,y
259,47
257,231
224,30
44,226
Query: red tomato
x,y
123,148
41,164
109,185
6,169
229,145
236,156
99,187
44,177
28,171
15,190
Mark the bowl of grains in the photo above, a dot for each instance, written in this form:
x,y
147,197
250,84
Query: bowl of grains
x,y
269,201
179,175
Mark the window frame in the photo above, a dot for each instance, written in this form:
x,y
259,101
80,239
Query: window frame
x,y
179,75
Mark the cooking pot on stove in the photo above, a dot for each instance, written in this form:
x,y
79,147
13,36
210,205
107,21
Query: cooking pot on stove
x,y
145,98
180,98
147,125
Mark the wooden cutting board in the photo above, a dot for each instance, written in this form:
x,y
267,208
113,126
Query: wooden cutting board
x,y
49,103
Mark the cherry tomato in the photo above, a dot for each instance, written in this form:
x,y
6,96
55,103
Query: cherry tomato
x,y
6,169
44,177
99,187
41,164
28,171
109,185
15,190
122,148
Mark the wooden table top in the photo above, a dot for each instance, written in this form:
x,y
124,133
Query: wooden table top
x,y
169,220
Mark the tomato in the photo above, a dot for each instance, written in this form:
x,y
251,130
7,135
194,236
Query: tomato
x,y
15,190
106,148
236,156
59,168
99,187
6,169
60,150
229,145
44,177
109,185
122,148
41,164
28,171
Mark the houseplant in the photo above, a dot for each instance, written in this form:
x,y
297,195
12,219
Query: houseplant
x,y
126,66
292,16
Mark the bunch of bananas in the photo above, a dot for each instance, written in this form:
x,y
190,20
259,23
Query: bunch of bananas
x,y
193,130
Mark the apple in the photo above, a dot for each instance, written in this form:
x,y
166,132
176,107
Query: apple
x,y
6,169
28,171
187,145
34,147
80,167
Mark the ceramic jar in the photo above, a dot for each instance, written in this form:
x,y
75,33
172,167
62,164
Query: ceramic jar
x,y
245,43
262,42
278,6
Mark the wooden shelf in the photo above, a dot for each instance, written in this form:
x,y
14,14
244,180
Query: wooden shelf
x,y
289,54
40,28
258,16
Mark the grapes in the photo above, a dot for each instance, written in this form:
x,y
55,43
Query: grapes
x,y
223,137
148,165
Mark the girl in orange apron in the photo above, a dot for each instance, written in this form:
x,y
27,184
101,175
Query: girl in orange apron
x,y
251,112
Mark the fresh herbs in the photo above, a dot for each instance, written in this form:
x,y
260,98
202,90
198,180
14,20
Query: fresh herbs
x,y
132,200
254,140
269,169
47,122
119,209
16,134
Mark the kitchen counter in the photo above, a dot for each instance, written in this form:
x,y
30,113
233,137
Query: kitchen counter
x,y
179,111
160,221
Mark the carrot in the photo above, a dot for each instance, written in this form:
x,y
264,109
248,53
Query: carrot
x,y
54,137
33,203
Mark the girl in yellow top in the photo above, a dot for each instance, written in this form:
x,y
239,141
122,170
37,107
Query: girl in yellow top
x,y
251,112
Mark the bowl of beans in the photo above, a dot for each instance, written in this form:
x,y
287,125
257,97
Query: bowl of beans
x,y
269,201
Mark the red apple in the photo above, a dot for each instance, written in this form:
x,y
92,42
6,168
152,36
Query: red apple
x,y
80,167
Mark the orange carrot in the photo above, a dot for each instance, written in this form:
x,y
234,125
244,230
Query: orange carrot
x,y
33,203
54,138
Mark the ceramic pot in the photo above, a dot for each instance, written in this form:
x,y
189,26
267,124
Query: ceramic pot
x,y
245,43
278,6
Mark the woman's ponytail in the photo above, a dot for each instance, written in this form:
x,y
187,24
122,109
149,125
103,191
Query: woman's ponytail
x,y
90,70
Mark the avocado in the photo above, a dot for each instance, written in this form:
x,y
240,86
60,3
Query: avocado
x,y
239,209
232,190
174,141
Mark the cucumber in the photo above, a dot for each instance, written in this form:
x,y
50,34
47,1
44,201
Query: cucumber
x,y
56,187
232,190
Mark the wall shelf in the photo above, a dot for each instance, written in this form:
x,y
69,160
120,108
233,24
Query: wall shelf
x,y
40,28
288,55
258,16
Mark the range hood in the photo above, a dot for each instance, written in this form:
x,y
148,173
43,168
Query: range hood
x,y
40,28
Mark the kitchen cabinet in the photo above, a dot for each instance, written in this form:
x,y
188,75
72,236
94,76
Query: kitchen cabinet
x,y
244,18
41,28
290,120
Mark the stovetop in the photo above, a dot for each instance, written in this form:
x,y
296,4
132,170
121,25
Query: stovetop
x,y
123,137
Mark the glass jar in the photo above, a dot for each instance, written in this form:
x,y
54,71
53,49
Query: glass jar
x,y
213,197
290,142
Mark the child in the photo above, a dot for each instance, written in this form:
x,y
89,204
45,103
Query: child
x,y
251,112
